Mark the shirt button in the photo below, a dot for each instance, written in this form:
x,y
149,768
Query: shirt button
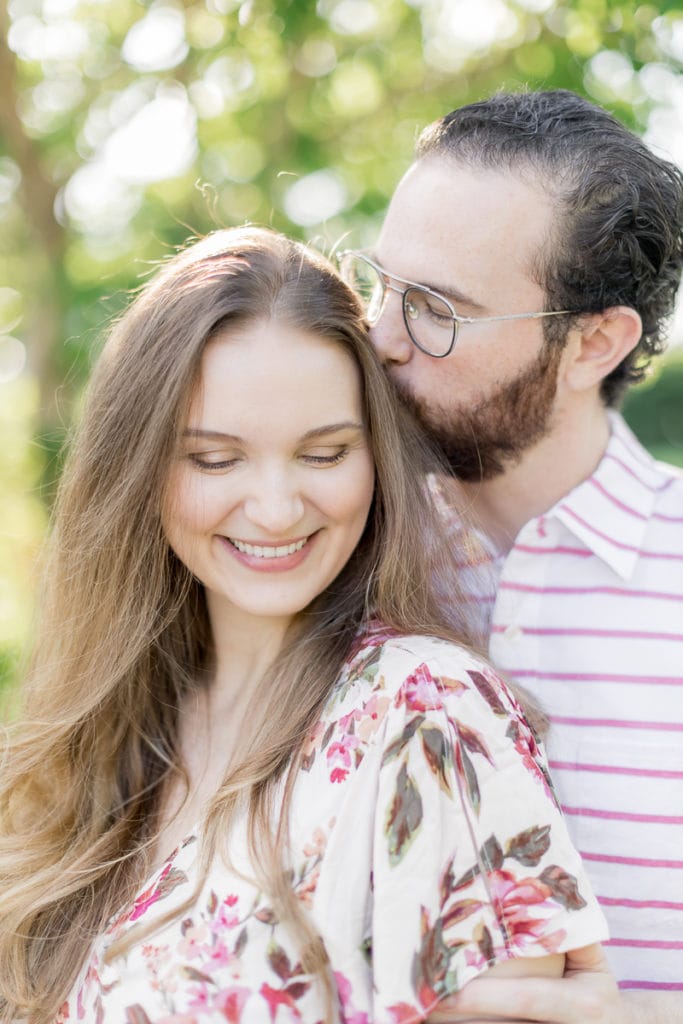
x,y
513,632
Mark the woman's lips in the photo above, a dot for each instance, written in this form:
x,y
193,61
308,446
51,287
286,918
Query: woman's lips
x,y
268,550
280,557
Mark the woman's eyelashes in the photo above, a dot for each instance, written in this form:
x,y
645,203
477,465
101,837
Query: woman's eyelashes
x,y
211,461
325,459
216,461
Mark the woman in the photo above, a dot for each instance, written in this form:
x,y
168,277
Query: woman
x,y
259,774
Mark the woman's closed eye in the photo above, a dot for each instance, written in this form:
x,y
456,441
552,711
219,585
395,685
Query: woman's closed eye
x,y
325,456
213,460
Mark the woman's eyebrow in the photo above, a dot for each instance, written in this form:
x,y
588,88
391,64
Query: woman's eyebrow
x,y
332,428
328,428
211,435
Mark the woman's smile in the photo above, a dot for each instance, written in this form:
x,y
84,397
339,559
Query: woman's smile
x,y
265,550
274,557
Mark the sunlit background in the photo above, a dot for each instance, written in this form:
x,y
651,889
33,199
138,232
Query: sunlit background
x,y
127,126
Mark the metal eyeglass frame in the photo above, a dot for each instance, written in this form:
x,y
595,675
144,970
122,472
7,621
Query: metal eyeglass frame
x,y
457,321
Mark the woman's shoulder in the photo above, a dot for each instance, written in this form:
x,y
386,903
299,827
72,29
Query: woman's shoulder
x,y
427,669
383,642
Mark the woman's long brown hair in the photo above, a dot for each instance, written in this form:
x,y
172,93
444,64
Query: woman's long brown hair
x,y
124,633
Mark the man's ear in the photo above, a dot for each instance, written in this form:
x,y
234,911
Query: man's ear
x,y
600,344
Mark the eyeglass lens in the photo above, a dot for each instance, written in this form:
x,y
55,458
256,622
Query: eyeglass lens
x,y
429,321
366,282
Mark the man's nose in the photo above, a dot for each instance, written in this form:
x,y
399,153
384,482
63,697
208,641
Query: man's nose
x,y
389,335
275,505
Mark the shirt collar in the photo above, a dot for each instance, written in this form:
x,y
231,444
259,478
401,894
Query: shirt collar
x,y
610,510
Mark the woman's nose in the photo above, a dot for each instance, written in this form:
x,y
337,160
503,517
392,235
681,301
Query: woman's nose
x,y
276,506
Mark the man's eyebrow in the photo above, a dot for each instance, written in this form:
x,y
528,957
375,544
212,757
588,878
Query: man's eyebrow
x,y
449,291
217,435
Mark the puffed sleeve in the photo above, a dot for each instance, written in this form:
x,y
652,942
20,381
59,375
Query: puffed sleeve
x,y
472,863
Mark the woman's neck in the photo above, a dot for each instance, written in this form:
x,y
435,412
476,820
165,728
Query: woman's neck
x,y
245,646
214,718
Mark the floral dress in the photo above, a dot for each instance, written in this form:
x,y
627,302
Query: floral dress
x,y
426,845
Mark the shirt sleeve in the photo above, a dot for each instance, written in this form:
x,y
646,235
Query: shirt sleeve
x,y
472,863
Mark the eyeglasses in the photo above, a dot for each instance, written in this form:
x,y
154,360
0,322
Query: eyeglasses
x,y
430,319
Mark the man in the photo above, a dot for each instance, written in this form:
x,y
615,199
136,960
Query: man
x,y
525,268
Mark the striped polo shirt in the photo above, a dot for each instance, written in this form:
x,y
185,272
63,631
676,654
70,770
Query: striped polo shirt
x,y
586,612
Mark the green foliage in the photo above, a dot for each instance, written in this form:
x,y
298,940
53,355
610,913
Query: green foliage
x,y
654,410
9,660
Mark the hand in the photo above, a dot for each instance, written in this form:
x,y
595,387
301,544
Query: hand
x,y
586,994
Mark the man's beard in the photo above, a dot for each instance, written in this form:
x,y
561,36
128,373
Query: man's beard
x,y
483,442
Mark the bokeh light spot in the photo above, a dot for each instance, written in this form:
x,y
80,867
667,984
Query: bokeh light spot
x,y
317,57
156,42
12,358
356,89
159,141
97,201
10,309
456,31
34,40
353,17
10,178
315,198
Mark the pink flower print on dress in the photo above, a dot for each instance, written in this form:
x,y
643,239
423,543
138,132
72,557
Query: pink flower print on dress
x,y
339,756
305,891
63,1014
227,917
230,1002
350,1016
169,879
312,745
279,997
420,691
199,995
217,956
372,634
317,843
527,748
525,904
193,941
404,1013
373,716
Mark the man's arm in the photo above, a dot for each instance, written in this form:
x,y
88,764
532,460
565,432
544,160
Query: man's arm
x,y
587,994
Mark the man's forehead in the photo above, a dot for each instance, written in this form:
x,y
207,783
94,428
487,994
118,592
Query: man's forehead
x,y
453,223
452,184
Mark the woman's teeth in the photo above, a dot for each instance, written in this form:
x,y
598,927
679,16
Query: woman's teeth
x,y
259,551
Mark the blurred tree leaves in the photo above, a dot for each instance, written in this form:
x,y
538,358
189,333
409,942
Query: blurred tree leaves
x,y
654,409
126,126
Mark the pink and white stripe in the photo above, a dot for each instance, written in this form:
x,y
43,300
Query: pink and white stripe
x,y
588,616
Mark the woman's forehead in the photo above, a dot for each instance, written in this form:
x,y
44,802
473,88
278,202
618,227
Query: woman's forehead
x,y
272,374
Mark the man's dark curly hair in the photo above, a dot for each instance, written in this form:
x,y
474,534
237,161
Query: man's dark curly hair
x,y
618,238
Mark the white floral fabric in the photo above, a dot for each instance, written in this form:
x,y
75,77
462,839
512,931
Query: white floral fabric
x,y
426,844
